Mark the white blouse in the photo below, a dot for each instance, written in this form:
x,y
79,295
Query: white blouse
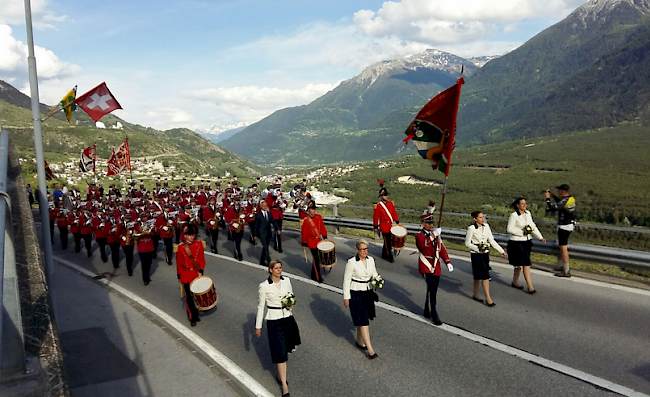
x,y
482,234
270,296
516,224
357,275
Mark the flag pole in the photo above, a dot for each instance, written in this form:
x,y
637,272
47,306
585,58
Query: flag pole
x,y
94,160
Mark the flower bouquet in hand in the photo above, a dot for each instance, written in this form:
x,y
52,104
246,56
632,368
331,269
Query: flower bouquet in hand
x,y
288,300
484,247
528,229
377,282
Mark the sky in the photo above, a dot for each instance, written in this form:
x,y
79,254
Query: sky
x,y
197,63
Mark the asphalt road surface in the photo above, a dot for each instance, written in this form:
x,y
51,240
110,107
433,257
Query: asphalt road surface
x,y
581,326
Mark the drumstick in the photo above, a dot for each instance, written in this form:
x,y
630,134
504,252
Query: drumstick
x,y
304,251
181,285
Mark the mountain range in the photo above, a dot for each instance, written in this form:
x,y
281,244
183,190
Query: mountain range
x,y
217,133
587,71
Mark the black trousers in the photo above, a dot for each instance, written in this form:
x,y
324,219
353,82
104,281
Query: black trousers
x,y
277,238
88,241
432,292
128,253
387,249
77,241
63,235
251,229
156,240
214,236
315,267
169,249
145,260
237,237
265,258
52,231
177,235
115,254
102,248
192,311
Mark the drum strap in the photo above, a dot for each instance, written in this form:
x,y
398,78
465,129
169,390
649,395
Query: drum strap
x,y
194,264
387,212
313,227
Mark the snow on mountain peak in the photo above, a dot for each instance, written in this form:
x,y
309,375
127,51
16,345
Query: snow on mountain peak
x,y
598,9
216,129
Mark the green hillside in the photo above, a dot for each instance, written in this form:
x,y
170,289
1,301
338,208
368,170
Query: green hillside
x,y
184,149
608,170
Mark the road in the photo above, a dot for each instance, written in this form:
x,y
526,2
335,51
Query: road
x,y
584,328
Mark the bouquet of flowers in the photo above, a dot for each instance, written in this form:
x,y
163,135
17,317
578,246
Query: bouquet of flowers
x,y
528,229
484,246
288,300
377,282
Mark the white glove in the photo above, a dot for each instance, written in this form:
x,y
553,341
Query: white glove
x,y
450,267
437,231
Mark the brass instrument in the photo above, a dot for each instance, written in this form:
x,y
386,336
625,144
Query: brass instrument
x,y
129,232
146,229
240,222
215,219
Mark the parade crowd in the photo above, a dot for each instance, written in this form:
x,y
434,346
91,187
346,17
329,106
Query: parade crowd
x,y
143,220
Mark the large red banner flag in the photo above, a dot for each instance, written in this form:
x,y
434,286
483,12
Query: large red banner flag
x,y
98,102
433,130
120,159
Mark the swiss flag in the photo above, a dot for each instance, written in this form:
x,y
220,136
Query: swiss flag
x,y
98,102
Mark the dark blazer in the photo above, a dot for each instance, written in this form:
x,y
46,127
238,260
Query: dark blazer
x,y
263,226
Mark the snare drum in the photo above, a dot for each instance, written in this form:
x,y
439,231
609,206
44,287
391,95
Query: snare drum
x,y
398,237
326,253
205,296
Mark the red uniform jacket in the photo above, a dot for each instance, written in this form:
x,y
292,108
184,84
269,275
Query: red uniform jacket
x,y
101,228
112,235
85,224
61,220
122,232
312,230
380,216
73,221
276,212
426,244
251,210
163,221
201,199
233,217
184,266
208,214
54,212
145,243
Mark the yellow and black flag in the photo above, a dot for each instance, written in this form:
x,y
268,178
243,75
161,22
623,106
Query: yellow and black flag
x,y
68,105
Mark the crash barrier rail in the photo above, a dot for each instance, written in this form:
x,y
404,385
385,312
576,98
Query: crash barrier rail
x,y
614,256
12,346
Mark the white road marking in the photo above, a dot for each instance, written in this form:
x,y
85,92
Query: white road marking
x,y
583,376
224,362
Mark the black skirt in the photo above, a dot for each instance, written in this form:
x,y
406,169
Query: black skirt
x,y
284,336
481,266
519,252
362,307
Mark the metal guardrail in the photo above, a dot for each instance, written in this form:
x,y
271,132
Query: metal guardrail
x,y
615,256
12,346
580,225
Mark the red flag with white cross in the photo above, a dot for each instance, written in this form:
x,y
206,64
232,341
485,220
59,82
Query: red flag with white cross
x,y
98,102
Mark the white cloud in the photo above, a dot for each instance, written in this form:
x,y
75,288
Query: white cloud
x,y
251,103
13,12
447,21
13,64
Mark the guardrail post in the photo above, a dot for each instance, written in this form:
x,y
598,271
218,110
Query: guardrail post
x,y
335,214
12,345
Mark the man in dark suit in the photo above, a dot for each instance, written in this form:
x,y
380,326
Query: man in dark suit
x,y
263,222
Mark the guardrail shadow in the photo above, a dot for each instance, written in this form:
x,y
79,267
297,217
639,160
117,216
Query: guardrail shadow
x,y
332,316
259,344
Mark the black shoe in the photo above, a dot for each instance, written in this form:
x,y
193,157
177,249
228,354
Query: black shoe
x,y
216,251
491,304
169,263
280,250
193,323
516,286
477,299
130,274
90,254
146,282
240,257
361,347
391,260
563,274
436,321
287,394
155,256
198,320
532,292
374,356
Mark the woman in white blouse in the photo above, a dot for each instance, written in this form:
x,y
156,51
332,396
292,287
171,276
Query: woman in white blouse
x,y
521,229
283,331
359,296
479,239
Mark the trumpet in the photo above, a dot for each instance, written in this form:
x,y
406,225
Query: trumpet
x,y
146,229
